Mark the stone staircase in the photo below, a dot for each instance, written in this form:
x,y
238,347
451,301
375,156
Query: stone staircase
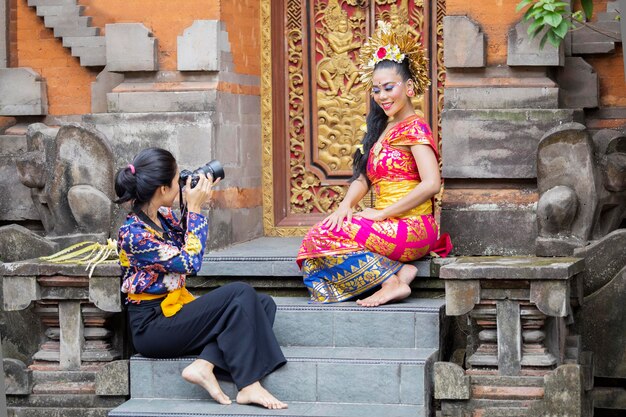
x,y
343,360
65,18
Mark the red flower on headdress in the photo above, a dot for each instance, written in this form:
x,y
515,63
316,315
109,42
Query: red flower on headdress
x,y
381,52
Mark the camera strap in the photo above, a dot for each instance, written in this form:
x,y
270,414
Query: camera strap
x,y
183,209
147,220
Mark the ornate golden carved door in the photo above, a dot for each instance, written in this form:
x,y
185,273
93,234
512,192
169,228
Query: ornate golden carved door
x,y
313,103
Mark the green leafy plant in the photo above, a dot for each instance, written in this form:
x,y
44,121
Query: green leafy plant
x,y
553,18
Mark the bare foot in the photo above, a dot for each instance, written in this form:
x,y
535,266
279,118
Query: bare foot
x,y
200,372
407,273
256,394
391,290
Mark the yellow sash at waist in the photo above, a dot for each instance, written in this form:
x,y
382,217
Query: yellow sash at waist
x,y
387,193
172,302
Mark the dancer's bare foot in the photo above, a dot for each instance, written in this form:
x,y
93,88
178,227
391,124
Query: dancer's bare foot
x,y
200,372
391,290
407,273
256,394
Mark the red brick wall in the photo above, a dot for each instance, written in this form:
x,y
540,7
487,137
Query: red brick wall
x,y
69,84
243,23
494,17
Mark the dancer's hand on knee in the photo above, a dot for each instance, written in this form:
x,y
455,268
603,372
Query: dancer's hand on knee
x,y
335,219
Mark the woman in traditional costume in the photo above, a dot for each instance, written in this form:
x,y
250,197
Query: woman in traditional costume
x,y
229,328
349,252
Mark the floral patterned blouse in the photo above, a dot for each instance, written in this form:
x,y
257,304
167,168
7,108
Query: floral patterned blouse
x,y
155,262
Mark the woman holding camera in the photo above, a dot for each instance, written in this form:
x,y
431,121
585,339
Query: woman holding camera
x,y
229,328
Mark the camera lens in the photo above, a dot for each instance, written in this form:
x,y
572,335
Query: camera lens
x,y
214,168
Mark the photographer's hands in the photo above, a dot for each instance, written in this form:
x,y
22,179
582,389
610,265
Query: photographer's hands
x,y
199,195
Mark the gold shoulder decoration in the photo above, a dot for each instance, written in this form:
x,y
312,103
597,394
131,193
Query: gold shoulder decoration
x,y
390,43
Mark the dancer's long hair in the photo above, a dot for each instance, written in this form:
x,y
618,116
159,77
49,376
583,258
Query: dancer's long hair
x,y
376,122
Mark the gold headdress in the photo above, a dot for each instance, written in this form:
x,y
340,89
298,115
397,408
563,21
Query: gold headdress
x,y
388,43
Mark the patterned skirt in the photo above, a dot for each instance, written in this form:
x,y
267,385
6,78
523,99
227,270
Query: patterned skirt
x,y
340,265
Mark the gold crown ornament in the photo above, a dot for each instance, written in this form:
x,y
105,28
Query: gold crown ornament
x,y
389,44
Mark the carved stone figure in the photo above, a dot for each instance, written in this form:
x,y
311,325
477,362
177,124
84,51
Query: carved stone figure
x,y
582,187
70,173
581,211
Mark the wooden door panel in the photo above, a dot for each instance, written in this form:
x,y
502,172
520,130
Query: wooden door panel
x,y
312,94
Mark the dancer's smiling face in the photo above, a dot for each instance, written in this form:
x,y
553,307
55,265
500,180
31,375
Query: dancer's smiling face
x,y
390,92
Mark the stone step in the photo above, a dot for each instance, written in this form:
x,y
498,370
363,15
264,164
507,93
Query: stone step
x,y
83,41
328,375
60,10
270,262
413,323
75,31
36,3
42,377
90,56
507,381
67,20
159,407
268,256
65,388
46,411
161,101
492,408
501,97
64,401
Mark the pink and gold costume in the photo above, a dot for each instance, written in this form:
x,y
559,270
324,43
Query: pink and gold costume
x,y
339,265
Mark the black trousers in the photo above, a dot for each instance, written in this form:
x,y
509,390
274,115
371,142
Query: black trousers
x,y
231,327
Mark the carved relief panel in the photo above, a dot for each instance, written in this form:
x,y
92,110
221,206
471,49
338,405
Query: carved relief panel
x,y
315,101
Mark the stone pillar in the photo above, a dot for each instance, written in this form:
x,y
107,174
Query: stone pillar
x,y
71,338
509,329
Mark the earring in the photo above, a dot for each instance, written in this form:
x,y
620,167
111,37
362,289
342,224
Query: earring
x,y
410,93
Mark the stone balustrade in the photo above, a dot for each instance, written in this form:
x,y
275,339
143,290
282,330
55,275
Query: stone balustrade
x,y
82,338
519,348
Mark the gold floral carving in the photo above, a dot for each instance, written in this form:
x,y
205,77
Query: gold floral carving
x,y
440,83
341,99
266,123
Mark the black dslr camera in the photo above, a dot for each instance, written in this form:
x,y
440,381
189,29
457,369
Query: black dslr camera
x,y
214,168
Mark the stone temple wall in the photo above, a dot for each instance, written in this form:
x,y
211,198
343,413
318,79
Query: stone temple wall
x,y
503,93
186,79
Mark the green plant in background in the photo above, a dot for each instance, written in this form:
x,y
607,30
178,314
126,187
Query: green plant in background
x,y
553,18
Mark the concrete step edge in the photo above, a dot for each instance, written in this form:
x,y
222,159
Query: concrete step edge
x,y
59,10
158,407
334,307
335,355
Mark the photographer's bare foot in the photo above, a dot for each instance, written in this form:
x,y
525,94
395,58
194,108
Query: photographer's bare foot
x,y
391,290
200,372
407,273
256,394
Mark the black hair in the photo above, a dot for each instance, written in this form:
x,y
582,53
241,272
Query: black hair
x,y
153,167
376,121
